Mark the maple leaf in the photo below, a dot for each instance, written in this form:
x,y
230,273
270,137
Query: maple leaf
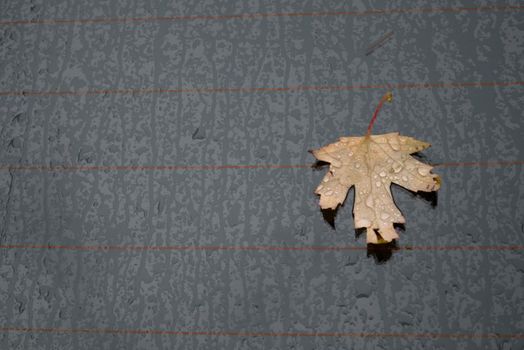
x,y
372,163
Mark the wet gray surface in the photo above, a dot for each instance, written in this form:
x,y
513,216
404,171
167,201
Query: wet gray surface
x,y
414,292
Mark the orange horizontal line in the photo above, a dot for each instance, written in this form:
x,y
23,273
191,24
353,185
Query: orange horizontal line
x,y
107,248
263,89
209,333
488,164
66,168
492,8
145,167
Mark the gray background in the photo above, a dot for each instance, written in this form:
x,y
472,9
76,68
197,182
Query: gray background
x,y
414,292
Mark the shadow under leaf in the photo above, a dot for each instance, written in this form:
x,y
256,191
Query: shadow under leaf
x,y
429,197
329,216
319,165
382,252
420,156
359,232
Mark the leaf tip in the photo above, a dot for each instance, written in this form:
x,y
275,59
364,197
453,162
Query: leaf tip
x,y
314,152
438,181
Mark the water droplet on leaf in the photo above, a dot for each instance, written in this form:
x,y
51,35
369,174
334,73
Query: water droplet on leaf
x,y
423,171
397,167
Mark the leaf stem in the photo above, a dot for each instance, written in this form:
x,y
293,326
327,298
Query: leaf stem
x,y
388,96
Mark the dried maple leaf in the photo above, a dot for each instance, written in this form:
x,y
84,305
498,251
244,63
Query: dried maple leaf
x,y
372,163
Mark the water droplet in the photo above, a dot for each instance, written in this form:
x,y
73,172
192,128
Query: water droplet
x,y
325,179
320,187
384,216
382,174
423,171
394,144
378,183
362,223
328,193
357,165
397,167
350,153
404,178
390,161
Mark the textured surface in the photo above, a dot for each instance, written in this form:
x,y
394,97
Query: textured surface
x,y
415,292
